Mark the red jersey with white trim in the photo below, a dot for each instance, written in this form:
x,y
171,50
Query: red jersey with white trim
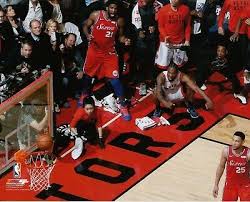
x,y
237,170
174,24
235,7
104,32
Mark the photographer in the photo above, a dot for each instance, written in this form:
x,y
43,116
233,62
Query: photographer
x,y
21,61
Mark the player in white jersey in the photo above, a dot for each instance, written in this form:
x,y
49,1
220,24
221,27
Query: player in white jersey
x,y
171,85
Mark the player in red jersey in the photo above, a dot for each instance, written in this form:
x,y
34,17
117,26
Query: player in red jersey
x,y
236,158
101,29
174,26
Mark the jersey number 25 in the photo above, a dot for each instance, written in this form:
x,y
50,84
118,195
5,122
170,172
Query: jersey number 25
x,y
240,169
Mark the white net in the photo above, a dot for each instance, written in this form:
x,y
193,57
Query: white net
x,y
39,168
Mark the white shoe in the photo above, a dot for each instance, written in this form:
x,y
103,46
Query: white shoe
x,y
109,103
242,99
203,87
76,153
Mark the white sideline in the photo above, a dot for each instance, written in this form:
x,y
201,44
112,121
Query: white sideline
x,y
109,122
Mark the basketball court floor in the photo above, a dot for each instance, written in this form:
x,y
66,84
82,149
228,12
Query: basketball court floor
x,y
176,162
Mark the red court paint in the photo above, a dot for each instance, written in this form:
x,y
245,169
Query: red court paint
x,y
110,163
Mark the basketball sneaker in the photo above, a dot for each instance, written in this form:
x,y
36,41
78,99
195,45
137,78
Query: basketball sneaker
x,y
125,113
109,103
242,99
79,148
193,113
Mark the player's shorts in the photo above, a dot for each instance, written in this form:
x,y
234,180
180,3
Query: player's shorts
x,y
165,55
233,192
174,96
101,64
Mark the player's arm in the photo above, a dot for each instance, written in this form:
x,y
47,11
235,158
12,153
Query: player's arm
x,y
185,79
248,155
219,171
76,118
88,23
160,82
187,29
121,26
161,24
221,18
235,36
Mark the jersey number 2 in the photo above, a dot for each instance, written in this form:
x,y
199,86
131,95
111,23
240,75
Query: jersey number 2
x,y
240,169
109,34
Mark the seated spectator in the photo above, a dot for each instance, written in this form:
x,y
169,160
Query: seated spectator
x,y
29,10
87,126
221,63
52,28
57,13
6,37
15,22
169,90
41,45
69,27
21,61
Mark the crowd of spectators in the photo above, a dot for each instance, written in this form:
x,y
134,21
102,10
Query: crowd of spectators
x,y
208,35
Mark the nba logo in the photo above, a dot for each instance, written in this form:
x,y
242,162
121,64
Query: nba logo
x,y
17,170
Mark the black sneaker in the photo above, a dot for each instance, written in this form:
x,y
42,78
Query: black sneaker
x,y
101,143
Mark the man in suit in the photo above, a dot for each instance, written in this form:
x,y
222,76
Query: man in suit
x,y
42,49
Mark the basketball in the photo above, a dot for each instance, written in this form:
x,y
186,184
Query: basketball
x,y
44,141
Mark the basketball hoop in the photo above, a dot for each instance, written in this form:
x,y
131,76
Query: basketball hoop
x,y
39,166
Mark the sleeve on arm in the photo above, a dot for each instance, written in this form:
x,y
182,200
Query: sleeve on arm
x,y
161,23
77,117
223,11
